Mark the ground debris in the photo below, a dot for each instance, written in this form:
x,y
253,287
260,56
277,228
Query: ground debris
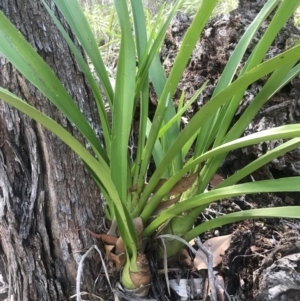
x,y
280,281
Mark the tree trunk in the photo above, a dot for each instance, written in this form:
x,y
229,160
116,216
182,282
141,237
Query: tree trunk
x,y
46,195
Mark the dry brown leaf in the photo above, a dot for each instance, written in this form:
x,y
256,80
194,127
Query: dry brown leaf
x,y
218,246
184,184
160,183
107,239
139,228
216,180
117,261
108,249
165,204
133,188
120,248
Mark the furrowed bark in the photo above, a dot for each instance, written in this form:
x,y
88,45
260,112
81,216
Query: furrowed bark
x,y
46,195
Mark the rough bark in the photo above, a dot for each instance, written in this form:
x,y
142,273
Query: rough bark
x,y
46,195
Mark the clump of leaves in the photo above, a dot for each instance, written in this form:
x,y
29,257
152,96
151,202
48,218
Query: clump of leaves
x,y
175,194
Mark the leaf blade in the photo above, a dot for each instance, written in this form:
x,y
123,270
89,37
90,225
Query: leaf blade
x,y
22,55
279,185
283,212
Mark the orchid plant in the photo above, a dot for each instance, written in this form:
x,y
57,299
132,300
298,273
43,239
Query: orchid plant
x,y
177,187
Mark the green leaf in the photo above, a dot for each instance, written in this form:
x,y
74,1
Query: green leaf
x,y
218,127
261,161
99,167
209,129
283,13
274,83
87,72
123,104
73,14
22,55
236,131
283,132
139,27
190,39
157,75
150,59
280,185
283,212
143,93
239,51
209,109
100,170
290,76
129,237
181,111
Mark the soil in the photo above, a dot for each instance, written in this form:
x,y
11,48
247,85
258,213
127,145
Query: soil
x,y
256,243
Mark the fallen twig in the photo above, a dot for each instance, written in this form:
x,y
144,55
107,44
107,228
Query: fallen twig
x,y
166,266
210,271
80,268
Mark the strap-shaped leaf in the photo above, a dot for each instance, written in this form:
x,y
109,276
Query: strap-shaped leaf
x,y
283,132
236,131
88,75
188,44
99,167
100,170
283,212
143,95
209,109
123,104
182,110
280,185
261,161
73,14
283,13
210,128
22,55
279,78
150,63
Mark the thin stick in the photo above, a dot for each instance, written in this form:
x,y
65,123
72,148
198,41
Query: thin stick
x,y
210,271
222,286
166,266
208,261
80,270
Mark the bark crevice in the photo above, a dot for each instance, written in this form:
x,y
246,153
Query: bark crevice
x,y
45,193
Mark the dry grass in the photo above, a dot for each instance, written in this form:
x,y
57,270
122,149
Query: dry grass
x,y
104,22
